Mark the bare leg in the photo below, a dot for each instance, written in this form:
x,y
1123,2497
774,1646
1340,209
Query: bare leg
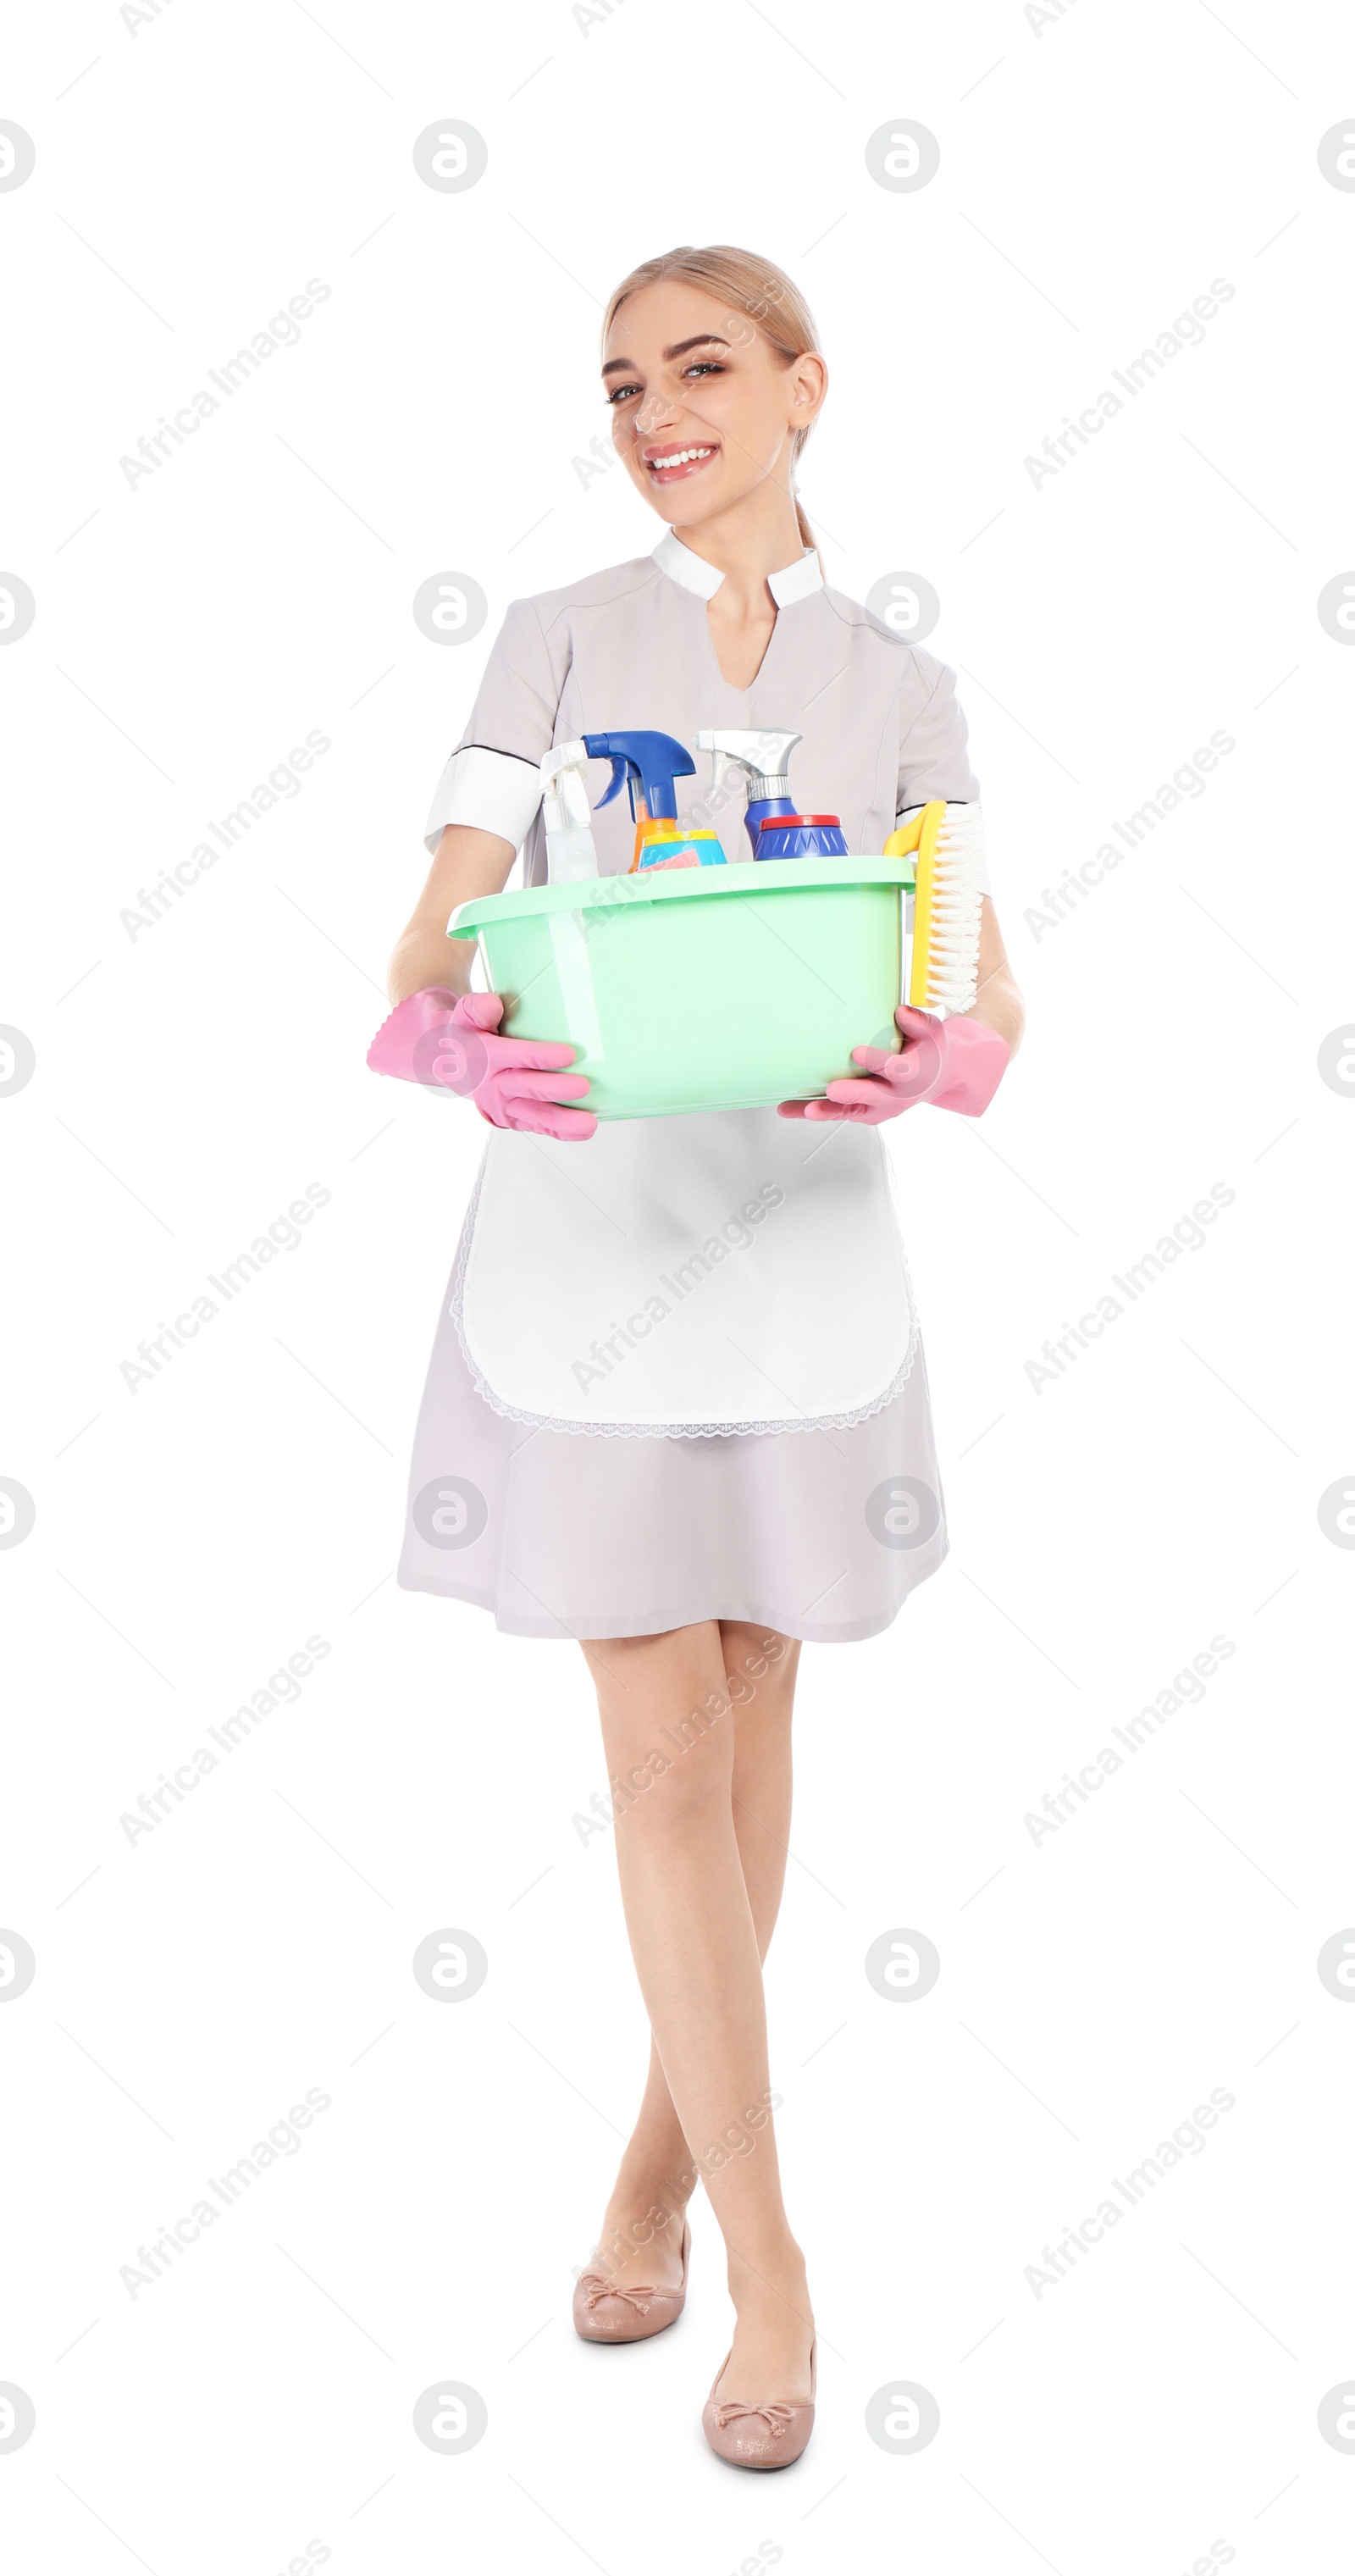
x,y
670,1741
641,2236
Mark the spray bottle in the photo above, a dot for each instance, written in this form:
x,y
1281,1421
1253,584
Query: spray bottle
x,y
774,827
647,764
570,853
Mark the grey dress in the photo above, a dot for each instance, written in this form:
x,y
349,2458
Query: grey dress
x,y
766,1453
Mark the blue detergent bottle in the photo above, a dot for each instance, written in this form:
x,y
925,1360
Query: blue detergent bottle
x,y
775,829
647,764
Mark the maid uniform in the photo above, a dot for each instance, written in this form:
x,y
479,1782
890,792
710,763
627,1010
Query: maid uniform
x,y
678,1374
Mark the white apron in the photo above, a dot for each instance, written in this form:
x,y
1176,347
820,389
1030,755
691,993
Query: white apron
x,y
729,1273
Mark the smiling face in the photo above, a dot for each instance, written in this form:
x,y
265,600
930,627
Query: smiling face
x,y
704,409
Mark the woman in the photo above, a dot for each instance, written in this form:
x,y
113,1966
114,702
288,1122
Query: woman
x,y
759,1469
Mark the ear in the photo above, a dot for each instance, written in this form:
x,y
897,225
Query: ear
x,y
808,388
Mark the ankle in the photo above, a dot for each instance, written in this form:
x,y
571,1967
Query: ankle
x,y
654,2169
640,2216
768,2277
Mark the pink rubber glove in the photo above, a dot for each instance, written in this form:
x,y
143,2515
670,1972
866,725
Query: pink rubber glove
x,y
449,1044
956,1064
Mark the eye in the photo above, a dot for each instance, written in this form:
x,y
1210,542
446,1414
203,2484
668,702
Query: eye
x,y
704,367
621,393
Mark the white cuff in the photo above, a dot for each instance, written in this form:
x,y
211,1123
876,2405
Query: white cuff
x,y
491,790
985,884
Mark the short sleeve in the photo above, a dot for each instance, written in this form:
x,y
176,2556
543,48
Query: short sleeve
x,y
934,746
492,780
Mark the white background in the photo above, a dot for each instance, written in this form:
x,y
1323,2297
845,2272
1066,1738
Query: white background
x,y
1097,172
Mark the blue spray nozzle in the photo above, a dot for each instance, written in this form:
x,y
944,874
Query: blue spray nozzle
x,y
648,762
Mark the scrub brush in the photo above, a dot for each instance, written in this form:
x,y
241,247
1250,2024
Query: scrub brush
x,y
948,904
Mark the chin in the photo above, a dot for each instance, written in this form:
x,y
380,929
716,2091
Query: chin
x,y
686,509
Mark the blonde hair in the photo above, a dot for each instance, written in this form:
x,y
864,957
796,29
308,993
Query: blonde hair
x,y
753,287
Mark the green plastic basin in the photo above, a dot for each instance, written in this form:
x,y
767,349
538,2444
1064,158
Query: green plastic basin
x,y
710,988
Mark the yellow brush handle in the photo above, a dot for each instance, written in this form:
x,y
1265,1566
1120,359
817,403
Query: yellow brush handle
x,y
921,835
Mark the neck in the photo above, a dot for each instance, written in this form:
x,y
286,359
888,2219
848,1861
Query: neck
x,y
757,534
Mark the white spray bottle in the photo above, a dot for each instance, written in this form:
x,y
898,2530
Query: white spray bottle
x,y
570,852
774,828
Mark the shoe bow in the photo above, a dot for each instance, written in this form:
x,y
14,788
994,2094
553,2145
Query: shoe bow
x,y
595,2286
776,2417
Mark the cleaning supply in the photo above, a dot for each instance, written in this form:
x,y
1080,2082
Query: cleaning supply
x,y
954,1063
764,757
701,988
570,853
647,764
801,836
947,905
666,845
774,828
451,1044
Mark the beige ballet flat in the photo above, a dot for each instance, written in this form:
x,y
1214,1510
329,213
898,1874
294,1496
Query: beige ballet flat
x,y
610,2313
759,2437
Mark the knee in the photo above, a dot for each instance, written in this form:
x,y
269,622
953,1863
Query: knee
x,y
682,1778
684,1772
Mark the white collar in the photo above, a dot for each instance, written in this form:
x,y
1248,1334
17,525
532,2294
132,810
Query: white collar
x,y
797,581
692,572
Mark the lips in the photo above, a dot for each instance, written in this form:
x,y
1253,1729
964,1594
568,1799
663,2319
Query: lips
x,y
676,461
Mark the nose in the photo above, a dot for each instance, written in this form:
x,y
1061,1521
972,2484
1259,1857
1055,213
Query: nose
x,y
659,410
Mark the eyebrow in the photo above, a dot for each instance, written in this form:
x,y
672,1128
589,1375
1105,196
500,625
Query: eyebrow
x,y
703,340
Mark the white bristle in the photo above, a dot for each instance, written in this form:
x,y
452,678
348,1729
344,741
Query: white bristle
x,y
957,911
